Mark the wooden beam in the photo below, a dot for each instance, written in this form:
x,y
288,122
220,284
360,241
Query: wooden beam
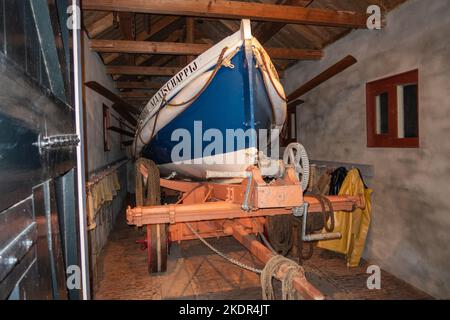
x,y
137,94
127,143
295,103
123,108
121,131
127,26
190,32
161,60
148,47
179,48
144,35
294,54
234,10
136,110
144,71
322,77
138,85
264,31
100,26
108,94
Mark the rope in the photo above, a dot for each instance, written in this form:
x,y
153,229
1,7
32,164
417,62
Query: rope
x,y
263,58
223,255
325,214
272,267
279,231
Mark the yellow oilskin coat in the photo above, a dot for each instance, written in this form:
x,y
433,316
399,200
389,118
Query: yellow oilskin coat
x,y
352,225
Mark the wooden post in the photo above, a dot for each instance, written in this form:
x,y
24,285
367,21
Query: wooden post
x,y
190,32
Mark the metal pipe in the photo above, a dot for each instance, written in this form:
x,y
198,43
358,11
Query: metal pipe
x,y
226,174
318,236
245,205
81,190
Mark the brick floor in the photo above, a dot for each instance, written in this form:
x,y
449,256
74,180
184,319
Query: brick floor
x,y
194,272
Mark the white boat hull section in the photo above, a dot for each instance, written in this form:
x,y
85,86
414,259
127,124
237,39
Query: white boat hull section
x,y
192,83
198,168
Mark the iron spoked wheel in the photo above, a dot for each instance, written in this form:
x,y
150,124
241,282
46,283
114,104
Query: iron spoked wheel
x,y
157,247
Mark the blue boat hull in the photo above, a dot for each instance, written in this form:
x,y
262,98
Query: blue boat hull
x,y
235,99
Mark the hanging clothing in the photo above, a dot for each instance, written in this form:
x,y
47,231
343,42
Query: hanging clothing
x,y
352,225
103,191
337,178
323,184
319,180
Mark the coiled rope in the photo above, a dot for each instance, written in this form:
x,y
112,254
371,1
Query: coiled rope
x,y
288,291
266,67
279,231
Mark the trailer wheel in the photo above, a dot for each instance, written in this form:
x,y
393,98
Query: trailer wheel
x,y
157,247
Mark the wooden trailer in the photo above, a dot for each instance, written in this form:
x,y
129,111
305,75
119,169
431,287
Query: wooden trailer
x,y
239,210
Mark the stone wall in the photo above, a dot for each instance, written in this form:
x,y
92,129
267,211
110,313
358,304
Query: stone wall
x,y
409,235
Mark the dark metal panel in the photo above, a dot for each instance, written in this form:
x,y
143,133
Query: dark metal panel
x,y
30,113
59,18
19,161
47,39
65,195
2,26
42,245
54,240
14,220
26,287
24,276
16,249
27,112
15,31
33,51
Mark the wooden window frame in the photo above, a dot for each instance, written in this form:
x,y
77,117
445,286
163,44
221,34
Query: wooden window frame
x,y
389,85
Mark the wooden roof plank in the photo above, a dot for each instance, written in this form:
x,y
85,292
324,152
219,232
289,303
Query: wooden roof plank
x,y
179,48
141,70
235,10
138,85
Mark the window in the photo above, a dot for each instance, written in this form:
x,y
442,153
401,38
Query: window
x,y
392,111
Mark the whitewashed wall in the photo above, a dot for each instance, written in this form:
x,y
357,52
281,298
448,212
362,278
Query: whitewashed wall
x,y
410,233
94,70
96,157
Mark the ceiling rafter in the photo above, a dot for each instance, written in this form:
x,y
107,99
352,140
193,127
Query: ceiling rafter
x,y
194,49
156,28
235,10
175,32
